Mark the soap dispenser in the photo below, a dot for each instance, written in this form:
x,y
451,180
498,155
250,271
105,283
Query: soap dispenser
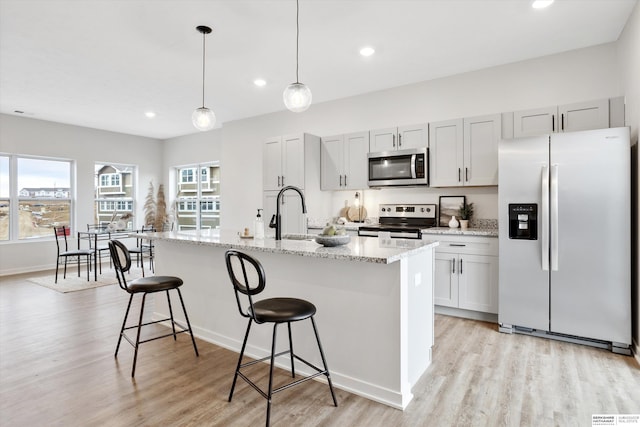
x,y
258,232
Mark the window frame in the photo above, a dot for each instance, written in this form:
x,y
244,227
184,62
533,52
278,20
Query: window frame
x,y
114,200
17,198
189,198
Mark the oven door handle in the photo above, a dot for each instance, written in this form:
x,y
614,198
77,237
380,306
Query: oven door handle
x,y
413,166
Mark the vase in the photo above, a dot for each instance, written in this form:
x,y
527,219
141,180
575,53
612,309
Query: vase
x,y
464,224
453,223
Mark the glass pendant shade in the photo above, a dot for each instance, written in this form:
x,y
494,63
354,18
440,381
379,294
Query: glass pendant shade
x,y
203,119
297,97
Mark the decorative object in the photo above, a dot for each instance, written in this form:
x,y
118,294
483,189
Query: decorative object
x,y
465,212
297,96
161,209
203,118
449,206
357,212
150,206
453,222
335,240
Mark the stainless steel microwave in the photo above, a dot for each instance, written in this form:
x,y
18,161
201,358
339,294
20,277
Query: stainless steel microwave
x,y
401,167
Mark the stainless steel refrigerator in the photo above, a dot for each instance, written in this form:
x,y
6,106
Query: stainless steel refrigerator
x,y
565,237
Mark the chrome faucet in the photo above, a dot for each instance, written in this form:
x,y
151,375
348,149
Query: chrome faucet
x,y
276,220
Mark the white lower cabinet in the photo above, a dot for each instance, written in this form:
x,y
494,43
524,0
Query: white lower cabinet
x,y
466,273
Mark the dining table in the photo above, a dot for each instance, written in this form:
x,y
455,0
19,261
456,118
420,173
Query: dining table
x,y
100,234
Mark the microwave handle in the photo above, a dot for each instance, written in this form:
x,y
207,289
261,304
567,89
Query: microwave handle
x,y
413,166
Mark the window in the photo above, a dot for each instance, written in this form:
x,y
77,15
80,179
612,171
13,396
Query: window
x,y
35,195
198,196
114,193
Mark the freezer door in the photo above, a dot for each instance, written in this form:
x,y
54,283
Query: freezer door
x,y
590,243
523,272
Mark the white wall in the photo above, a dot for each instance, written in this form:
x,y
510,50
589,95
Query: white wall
x,y
573,76
86,146
629,59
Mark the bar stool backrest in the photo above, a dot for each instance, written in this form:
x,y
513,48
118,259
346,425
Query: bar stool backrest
x,y
248,278
121,261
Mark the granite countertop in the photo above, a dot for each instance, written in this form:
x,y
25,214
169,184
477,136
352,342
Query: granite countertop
x,y
486,232
362,249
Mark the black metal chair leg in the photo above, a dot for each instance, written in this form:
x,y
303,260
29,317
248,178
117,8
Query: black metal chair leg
x,y
173,323
293,370
57,265
273,352
186,318
324,362
135,353
64,274
124,323
244,344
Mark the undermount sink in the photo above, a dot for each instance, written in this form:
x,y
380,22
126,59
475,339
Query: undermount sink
x,y
308,237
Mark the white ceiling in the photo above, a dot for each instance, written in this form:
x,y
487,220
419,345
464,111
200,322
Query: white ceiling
x,y
103,63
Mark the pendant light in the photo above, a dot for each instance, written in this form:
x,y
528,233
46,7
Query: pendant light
x,y
297,96
203,118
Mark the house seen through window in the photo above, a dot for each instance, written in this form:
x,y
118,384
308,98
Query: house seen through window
x,y
198,196
114,193
35,196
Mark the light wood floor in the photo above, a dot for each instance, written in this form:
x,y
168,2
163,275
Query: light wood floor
x,y
57,369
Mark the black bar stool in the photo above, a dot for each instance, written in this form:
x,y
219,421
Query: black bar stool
x,y
241,268
146,285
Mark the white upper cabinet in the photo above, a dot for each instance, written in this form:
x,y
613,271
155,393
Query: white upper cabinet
x,y
283,162
584,115
446,153
400,138
343,161
464,152
481,137
562,118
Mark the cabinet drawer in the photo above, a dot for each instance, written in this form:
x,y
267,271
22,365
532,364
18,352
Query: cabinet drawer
x,y
468,245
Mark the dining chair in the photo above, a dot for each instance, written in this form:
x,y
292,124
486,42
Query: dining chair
x,y
64,253
101,249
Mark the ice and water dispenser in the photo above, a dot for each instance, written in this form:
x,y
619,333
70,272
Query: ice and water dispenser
x,y
523,221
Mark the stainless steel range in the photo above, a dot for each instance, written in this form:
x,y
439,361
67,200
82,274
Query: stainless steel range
x,y
402,221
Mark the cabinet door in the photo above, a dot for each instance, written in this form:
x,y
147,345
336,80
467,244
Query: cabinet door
x,y
416,136
272,164
478,283
445,287
293,160
535,122
356,171
584,115
446,145
481,137
383,140
331,163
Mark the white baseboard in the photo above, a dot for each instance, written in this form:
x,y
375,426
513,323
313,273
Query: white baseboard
x,y
467,314
30,269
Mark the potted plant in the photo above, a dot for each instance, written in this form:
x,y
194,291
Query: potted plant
x,y
465,212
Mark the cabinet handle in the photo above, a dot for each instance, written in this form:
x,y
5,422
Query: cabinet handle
x,y
399,140
457,244
460,265
283,180
340,180
466,174
345,180
394,140
553,123
278,180
562,121
453,266
459,178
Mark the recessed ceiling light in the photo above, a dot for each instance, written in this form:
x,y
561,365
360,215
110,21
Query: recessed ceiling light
x,y
367,51
541,4
150,114
259,82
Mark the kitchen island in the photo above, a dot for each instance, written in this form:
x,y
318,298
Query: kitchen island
x,y
374,300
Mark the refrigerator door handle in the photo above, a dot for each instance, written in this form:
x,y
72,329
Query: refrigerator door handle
x,y
554,218
544,238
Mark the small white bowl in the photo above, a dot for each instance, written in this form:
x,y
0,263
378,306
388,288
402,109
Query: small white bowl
x,y
341,239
